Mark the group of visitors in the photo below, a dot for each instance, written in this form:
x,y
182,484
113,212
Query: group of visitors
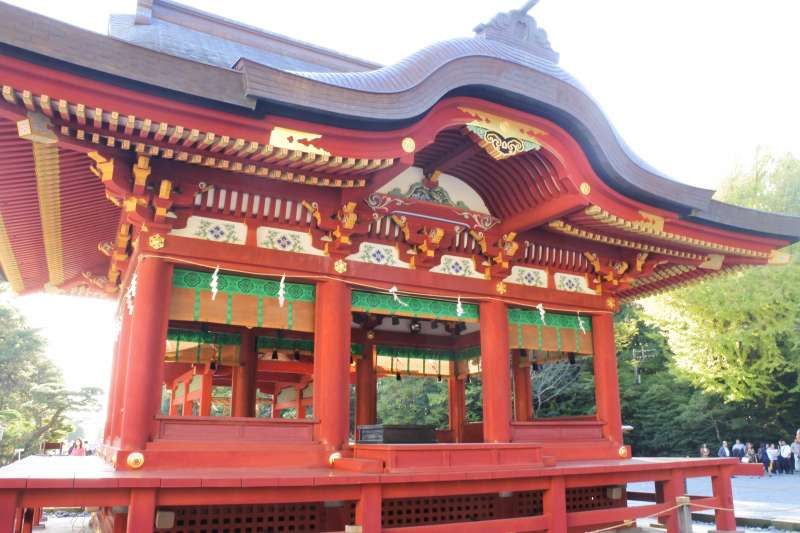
x,y
780,458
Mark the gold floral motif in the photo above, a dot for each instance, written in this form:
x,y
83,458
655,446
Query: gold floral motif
x,y
501,287
340,266
585,188
408,145
623,451
156,241
611,303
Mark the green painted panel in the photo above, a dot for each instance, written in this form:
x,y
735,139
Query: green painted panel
x,y
233,284
531,317
384,303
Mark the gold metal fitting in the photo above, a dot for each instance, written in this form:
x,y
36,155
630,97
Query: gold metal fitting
x,y
135,460
408,145
156,241
340,266
585,188
623,451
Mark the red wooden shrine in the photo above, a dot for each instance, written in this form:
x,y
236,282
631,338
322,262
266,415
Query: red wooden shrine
x,y
280,222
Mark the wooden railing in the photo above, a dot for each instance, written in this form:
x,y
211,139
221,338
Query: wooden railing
x,y
557,429
212,428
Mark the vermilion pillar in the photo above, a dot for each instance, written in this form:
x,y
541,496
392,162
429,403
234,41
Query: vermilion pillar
x,y
456,405
366,387
605,377
332,362
117,393
496,376
300,408
205,392
148,336
244,378
112,386
523,400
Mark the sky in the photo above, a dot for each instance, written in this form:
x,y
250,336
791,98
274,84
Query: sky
x,y
693,87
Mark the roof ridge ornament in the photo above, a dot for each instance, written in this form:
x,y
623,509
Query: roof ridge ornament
x,y
518,29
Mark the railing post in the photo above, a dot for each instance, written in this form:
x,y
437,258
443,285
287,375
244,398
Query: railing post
x,y
555,505
368,509
721,484
141,511
672,489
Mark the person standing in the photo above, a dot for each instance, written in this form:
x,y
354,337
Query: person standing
x,y
787,466
796,451
738,449
77,448
724,451
749,453
772,453
704,451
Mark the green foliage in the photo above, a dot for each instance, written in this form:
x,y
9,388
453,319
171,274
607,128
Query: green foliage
x,y
738,336
34,404
414,400
670,414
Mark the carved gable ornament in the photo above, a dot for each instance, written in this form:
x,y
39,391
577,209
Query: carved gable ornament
x,y
500,137
518,29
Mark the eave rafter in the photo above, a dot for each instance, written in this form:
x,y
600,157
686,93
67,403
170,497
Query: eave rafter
x,y
289,156
653,228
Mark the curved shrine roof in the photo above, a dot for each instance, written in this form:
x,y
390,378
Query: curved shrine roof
x,y
173,51
519,71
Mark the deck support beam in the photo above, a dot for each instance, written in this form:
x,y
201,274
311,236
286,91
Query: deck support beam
x,y
145,368
332,363
496,374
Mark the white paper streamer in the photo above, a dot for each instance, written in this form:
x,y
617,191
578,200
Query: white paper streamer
x,y
131,293
542,312
580,323
282,291
214,284
459,307
393,292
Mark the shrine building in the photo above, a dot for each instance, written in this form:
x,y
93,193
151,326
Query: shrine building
x,y
283,226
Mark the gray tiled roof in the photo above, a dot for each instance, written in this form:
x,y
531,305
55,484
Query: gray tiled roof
x,y
179,41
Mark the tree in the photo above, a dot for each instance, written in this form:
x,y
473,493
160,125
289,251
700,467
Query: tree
x,y
34,404
413,400
738,336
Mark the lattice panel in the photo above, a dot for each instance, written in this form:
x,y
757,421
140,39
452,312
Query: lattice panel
x,y
275,518
590,498
438,510
528,503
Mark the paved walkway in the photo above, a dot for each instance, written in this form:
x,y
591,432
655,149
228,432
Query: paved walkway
x,y
772,498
